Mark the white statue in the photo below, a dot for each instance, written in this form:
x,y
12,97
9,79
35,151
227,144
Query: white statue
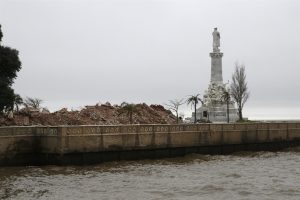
x,y
216,40
214,93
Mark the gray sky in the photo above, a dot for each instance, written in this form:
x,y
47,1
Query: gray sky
x,y
78,52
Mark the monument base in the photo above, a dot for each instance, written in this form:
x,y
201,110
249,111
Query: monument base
x,y
217,113
214,107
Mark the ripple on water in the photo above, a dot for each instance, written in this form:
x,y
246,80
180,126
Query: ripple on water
x,y
244,175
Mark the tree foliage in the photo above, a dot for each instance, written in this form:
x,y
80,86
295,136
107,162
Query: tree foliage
x,y
9,66
239,88
128,109
173,105
225,97
1,34
18,101
194,100
6,99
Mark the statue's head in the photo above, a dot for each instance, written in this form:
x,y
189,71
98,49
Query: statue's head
x,y
215,28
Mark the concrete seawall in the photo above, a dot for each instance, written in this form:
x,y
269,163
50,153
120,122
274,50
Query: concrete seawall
x,y
95,144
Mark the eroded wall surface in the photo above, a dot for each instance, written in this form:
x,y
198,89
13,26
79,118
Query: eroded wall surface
x,y
31,144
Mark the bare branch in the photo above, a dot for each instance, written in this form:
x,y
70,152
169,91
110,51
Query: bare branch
x,y
173,105
33,102
239,88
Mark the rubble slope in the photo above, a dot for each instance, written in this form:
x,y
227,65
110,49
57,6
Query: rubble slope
x,y
104,114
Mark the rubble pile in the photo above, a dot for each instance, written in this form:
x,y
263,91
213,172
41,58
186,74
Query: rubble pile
x,y
104,114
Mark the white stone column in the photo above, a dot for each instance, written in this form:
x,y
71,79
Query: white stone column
x,y
216,67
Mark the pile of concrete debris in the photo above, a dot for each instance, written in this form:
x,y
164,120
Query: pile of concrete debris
x,y
104,114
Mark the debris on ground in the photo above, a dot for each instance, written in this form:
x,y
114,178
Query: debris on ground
x,y
104,114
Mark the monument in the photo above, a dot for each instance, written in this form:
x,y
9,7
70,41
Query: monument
x,y
215,106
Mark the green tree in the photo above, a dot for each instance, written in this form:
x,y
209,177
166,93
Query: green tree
x,y
18,101
239,88
1,34
6,99
226,98
194,100
9,66
128,109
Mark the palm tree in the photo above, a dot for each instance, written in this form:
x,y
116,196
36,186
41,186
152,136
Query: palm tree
x,y
194,100
18,101
226,98
128,109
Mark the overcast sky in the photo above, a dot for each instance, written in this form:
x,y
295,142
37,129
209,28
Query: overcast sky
x,y
79,52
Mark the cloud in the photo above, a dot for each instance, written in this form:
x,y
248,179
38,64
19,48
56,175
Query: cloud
x,y
151,51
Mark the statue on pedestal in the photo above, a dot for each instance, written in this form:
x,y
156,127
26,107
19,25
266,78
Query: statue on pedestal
x,y
217,106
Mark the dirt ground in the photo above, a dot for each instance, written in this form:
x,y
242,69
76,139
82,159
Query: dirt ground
x,y
104,114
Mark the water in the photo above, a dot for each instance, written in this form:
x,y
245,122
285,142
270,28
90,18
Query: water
x,y
244,175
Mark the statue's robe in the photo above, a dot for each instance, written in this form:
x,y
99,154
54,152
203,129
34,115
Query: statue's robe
x,y
216,39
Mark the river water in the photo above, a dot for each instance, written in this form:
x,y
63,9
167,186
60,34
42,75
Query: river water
x,y
243,175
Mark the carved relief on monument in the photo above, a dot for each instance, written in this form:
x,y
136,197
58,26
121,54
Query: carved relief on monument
x,y
214,94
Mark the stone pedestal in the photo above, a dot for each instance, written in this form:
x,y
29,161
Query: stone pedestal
x,y
217,113
216,67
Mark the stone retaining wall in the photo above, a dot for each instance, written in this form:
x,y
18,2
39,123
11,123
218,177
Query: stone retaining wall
x,y
51,145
